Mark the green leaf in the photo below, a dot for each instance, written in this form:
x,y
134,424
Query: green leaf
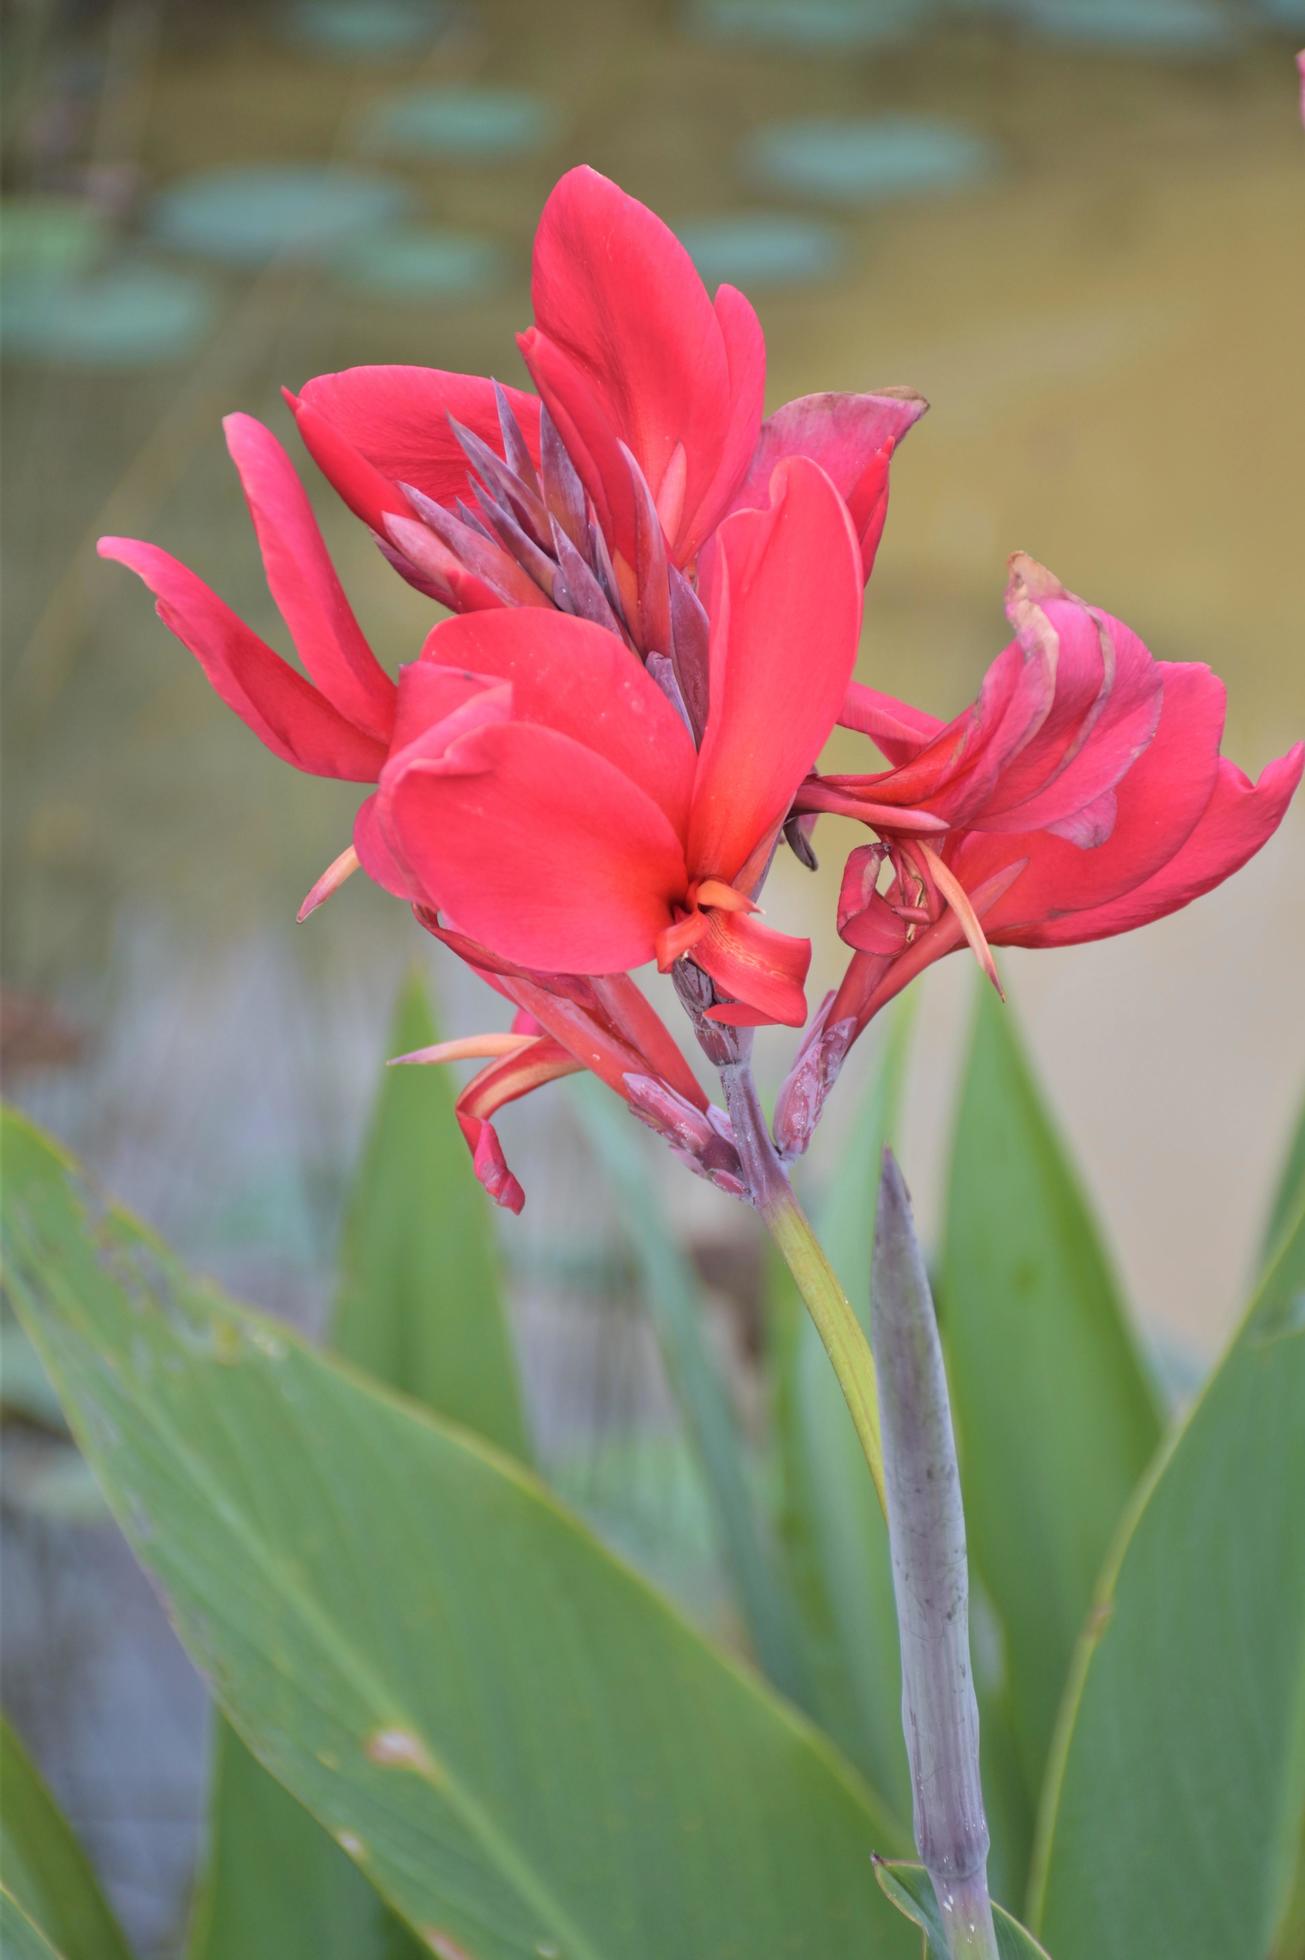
x,y
1056,1416
419,1308
19,1938
677,1305
1171,1821
909,1889
46,1873
835,1538
420,1304
1290,1192
527,1749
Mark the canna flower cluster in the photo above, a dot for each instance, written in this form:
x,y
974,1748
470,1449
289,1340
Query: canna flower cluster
x,y
656,599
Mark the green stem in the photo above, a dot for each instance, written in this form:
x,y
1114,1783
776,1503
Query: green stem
x,y
837,1325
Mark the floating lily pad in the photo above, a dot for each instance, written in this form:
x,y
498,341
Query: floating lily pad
x,y
468,123
254,212
363,27
129,315
762,248
1167,26
409,262
864,160
822,26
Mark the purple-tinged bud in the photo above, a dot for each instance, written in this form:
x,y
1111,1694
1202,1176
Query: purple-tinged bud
x,y
704,1142
690,630
814,1072
564,494
650,568
576,590
516,450
519,496
926,1534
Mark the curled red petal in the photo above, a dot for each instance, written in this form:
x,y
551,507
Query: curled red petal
x,y
763,971
1237,822
285,711
539,1061
303,581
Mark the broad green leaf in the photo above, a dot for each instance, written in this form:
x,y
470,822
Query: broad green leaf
x,y
419,1308
19,1938
1290,1190
420,1304
45,1870
527,1749
1056,1417
909,1889
677,1305
835,1539
1171,1820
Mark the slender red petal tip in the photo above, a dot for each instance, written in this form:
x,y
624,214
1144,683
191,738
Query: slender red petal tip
x,y
330,882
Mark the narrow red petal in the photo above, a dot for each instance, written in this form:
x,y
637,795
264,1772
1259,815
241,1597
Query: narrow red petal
x,y
284,710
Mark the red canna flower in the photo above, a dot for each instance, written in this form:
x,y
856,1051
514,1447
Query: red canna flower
x,y
545,793
541,800
598,494
1083,794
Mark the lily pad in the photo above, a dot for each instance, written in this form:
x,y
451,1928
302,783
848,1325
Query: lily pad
x,y
251,213
129,315
412,262
473,124
763,248
820,26
1165,26
364,27
863,160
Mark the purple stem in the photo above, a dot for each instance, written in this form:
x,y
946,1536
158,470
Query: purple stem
x,y
926,1531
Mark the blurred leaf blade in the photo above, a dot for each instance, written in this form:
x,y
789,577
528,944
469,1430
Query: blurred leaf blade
x,y
523,1744
419,1308
1057,1418
834,1535
1171,1818
47,1875
678,1306
909,1889
1289,1193
20,1938
420,1303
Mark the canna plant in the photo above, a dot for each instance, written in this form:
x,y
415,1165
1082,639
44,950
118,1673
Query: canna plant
x,y
584,773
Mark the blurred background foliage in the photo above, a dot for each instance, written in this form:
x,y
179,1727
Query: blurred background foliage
x,y
1075,225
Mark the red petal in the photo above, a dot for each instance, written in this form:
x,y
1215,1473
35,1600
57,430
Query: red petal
x,y
852,438
627,346
543,1060
1103,711
786,615
895,727
539,847
397,419
763,971
302,580
284,710
1238,821
582,681
1159,803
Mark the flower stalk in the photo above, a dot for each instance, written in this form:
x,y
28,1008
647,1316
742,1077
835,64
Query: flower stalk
x,y
926,1531
836,1323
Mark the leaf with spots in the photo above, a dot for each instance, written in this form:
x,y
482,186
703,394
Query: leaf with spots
x,y
523,1744
420,1309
